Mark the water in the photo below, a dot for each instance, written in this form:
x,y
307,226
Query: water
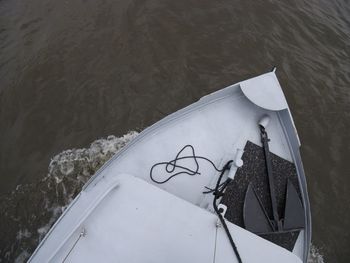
x,y
74,71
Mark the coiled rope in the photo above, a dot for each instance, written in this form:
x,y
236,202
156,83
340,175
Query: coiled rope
x,y
218,191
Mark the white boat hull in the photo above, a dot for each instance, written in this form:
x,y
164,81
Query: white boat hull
x,y
123,216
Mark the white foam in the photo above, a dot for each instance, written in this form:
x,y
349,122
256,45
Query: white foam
x,y
70,169
79,164
67,173
22,257
23,234
315,255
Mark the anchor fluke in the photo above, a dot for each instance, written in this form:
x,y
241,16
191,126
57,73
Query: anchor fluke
x,y
294,217
255,216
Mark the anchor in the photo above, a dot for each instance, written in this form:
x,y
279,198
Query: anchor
x,y
256,218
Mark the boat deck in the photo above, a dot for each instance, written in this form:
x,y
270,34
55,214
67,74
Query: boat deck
x,y
218,127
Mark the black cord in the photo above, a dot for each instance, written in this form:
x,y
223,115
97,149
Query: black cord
x,y
217,191
217,194
221,186
172,165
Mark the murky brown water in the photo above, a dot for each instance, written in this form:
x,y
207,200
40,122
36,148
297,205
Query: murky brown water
x,y
74,71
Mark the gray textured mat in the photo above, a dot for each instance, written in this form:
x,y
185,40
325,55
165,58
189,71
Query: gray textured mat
x,y
254,170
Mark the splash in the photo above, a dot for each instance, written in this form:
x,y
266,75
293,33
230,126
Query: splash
x,y
315,255
68,171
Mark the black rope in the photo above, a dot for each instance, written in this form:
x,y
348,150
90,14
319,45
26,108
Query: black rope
x,y
172,165
221,186
218,192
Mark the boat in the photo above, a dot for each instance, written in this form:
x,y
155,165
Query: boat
x,y
220,180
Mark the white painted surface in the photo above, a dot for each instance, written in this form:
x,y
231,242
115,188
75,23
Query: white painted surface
x,y
216,131
216,126
265,91
299,245
138,222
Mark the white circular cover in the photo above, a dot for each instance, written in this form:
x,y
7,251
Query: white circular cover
x,y
265,91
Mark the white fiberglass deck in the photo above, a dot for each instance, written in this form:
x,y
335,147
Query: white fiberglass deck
x,y
216,130
136,221
151,225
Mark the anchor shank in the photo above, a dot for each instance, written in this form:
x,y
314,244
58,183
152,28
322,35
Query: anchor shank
x,y
265,143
